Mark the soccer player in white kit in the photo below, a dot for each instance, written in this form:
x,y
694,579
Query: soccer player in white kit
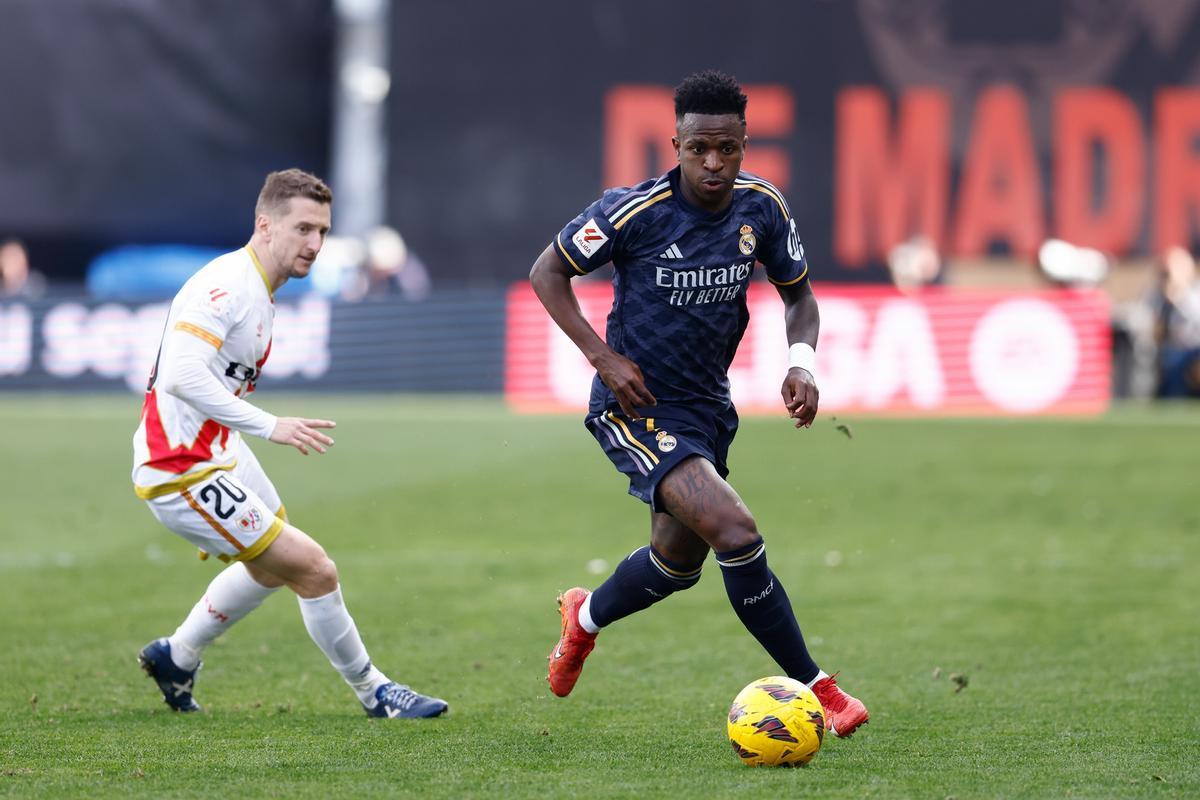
x,y
200,479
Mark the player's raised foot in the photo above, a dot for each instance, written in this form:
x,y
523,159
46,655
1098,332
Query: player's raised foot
x,y
397,700
843,712
175,684
566,659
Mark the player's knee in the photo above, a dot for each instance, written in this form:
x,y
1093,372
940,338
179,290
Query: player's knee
x,y
735,532
316,574
323,575
262,577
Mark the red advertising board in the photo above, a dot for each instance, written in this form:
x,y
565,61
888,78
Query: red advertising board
x,y
944,351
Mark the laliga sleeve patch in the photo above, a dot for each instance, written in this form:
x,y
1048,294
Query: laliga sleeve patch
x,y
795,249
589,239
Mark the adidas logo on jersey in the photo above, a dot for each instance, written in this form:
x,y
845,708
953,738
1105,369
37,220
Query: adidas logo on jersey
x,y
671,252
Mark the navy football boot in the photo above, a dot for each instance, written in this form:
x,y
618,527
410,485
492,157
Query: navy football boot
x,y
175,684
397,700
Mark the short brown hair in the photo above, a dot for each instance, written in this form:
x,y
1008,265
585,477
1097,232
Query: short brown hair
x,y
283,185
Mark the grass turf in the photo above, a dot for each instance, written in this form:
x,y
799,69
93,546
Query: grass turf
x,y
1048,565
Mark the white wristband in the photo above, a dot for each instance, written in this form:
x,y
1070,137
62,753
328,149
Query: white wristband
x,y
802,355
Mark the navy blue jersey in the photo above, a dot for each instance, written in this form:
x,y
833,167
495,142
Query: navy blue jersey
x,y
679,304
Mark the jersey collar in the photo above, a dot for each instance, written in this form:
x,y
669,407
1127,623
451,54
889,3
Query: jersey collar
x,y
261,272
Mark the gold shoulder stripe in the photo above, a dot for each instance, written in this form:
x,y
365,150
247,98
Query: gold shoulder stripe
x,y
197,331
760,188
617,224
565,254
792,281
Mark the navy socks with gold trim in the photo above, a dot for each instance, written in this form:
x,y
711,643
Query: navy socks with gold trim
x,y
638,582
763,607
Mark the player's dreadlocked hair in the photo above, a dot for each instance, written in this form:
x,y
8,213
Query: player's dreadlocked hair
x,y
710,92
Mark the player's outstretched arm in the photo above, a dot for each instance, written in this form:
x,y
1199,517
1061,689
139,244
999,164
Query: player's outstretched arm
x,y
183,371
803,323
185,374
551,282
303,433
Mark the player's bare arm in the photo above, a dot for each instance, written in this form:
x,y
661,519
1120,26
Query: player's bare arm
x,y
803,322
303,433
551,280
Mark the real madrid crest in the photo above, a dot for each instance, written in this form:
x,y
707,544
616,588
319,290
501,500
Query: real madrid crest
x,y
747,242
666,442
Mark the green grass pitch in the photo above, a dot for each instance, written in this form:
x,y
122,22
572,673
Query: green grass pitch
x,y
1016,601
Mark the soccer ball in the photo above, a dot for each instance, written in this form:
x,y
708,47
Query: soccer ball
x,y
776,722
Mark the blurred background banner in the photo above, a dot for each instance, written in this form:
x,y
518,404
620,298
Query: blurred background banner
x,y
149,121
987,127
944,352
450,343
1015,148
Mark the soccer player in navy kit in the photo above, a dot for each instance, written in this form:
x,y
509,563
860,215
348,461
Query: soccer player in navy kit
x,y
684,246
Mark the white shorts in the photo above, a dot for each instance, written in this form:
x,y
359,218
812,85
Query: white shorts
x,y
232,514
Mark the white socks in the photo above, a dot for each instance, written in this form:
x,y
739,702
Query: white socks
x,y
332,628
585,616
232,595
821,675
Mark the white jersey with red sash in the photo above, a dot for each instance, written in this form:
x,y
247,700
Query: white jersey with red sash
x,y
216,340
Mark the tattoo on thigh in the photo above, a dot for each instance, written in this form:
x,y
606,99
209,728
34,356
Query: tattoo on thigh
x,y
693,485
692,495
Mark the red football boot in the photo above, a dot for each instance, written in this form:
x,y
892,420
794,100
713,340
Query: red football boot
x,y
843,713
566,659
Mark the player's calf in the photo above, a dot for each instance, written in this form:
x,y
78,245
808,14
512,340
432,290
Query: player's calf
x,y
642,579
762,604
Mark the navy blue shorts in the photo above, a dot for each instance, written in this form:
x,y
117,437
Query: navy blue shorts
x,y
646,450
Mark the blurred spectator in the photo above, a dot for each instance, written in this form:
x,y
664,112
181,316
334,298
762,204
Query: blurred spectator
x,y
915,263
1134,349
16,278
1067,265
382,265
1175,304
392,268
338,268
